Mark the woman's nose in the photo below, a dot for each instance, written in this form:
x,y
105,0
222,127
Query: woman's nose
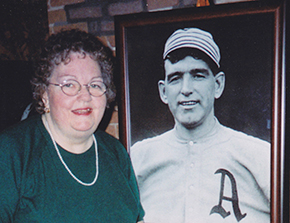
x,y
85,93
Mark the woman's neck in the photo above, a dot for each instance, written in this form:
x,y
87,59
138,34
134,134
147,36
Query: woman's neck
x,y
72,143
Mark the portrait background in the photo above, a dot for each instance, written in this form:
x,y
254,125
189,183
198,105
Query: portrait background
x,y
246,43
252,39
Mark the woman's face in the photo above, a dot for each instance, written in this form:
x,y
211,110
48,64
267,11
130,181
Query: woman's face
x,y
80,114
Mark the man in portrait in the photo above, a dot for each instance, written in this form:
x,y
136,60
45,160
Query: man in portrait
x,y
200,171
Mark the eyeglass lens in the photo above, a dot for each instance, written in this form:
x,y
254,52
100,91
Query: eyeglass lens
x,y
72,87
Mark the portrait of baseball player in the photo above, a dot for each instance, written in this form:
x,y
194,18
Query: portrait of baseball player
x,y
200,170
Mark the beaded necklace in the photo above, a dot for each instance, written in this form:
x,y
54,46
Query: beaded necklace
x,y
66,166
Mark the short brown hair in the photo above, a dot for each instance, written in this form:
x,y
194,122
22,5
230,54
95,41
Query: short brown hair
x,y
58,48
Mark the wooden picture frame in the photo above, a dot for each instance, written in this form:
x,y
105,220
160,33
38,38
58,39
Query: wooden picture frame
x,y
251,37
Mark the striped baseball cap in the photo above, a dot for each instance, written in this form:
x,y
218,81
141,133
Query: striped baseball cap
x,y
193,38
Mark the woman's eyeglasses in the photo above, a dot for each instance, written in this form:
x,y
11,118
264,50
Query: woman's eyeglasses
x,y
73,87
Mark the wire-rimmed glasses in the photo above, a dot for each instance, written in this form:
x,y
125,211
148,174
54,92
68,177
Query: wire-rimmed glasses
x,y
73,87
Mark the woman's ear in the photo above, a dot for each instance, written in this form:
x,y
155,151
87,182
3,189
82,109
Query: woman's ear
x,y
162,91
45,99
219,84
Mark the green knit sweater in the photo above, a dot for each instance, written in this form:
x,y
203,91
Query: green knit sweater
x,y
35,186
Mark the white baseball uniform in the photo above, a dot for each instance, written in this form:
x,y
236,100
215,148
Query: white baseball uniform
x,y
223,177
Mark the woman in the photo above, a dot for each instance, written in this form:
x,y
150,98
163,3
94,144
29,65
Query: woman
x,y
55,167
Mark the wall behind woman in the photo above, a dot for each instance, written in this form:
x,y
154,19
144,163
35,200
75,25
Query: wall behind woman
x,y
24,27
97,17
26,23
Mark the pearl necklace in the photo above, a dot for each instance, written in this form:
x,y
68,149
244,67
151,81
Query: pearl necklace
x,y
65,165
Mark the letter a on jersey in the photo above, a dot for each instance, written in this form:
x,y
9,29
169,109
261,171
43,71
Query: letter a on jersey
x,y
234,199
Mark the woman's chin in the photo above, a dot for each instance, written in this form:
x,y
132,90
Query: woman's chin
x,y
85,128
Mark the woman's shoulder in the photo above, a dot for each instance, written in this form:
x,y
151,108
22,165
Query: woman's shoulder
x,y
21,133
19,145
106,138
27,124
110,145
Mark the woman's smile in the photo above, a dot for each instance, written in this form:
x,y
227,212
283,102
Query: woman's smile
x,y
82,111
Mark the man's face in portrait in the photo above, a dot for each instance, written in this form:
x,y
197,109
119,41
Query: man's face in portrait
x,y
190,89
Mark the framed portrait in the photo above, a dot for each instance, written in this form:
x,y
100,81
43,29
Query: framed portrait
x,y
251,38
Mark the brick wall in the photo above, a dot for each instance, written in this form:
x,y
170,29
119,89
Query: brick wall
x,y
97,17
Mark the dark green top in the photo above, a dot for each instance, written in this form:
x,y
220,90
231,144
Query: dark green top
x,y
36,187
